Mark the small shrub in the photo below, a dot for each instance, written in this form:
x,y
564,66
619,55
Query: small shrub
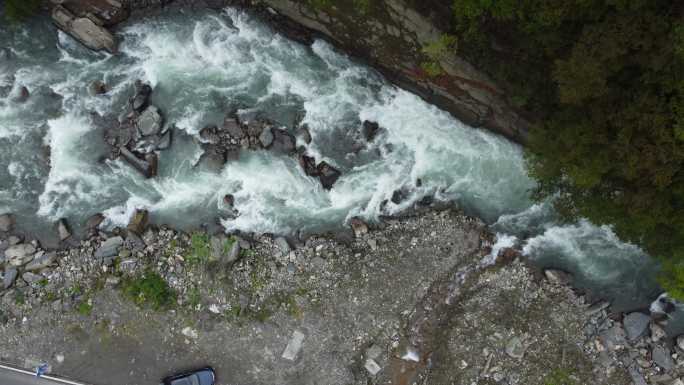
x,y
194,297
559,377
200,249
84,308
149,289
671,279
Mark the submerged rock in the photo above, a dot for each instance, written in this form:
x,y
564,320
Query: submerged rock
x,y
308,164
304,134
97,87
370,130
328,175
7,222
149,122
22,95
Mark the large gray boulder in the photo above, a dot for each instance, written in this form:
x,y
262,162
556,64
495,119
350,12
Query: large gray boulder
x,y
636,325
150,121
147,166
84,30
41,261
9,278
19,255
109,248
663,358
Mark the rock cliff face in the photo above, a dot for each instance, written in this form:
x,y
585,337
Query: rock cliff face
x,y
406,44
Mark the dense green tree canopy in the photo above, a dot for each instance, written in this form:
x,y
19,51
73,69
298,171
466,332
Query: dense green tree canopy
x,y
17,10
604,82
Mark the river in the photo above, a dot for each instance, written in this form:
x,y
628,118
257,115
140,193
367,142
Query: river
x,y
202,64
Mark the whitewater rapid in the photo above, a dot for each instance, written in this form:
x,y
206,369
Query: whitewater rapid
x,y
202,65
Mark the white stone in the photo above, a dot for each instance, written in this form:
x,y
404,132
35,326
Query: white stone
x,y
189,332
294,346
372,367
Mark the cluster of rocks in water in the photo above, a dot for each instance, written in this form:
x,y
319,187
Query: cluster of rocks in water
x,y
140,131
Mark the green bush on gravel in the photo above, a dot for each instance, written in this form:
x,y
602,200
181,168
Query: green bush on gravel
x,y
149,289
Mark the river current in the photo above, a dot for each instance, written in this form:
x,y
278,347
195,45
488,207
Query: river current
x,y
201,65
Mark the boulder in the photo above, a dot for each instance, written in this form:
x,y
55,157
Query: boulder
x,y
680,342
97,87
283,142
41,262
209,134
109,248
662,357
84,30
224,249
233,128
147,166
613,338
662,306
63,229
149,122
370,130
102,12
11,274
328,175
94,221
21,254
294,346
134,242
636,325
21,95
359,227
138,221
515,348
283,245
141,99
266,138
31,278
7,222
308,165
507,255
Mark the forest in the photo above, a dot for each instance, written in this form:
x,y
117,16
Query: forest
x,y
603,82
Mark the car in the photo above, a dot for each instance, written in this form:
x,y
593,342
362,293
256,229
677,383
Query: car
x,y
203,376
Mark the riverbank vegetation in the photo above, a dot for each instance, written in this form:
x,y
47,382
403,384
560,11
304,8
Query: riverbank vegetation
x,y
18,10
604,82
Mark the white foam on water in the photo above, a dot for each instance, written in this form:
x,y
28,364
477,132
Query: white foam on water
x,y
599,252
72,180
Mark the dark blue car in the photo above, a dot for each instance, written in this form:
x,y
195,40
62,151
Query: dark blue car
x,y
204,376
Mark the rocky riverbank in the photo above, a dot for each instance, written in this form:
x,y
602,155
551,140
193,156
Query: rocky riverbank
x,y
407,301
